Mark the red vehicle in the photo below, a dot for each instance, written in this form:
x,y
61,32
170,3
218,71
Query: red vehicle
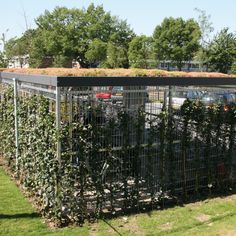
x,y
104,93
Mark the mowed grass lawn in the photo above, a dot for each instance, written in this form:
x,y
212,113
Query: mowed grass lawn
x,y
212,217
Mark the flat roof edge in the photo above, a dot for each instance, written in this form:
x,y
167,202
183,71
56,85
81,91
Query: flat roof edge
x,y
30,78
144,81
69,81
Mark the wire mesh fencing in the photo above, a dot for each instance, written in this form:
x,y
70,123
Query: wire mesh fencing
x,y
139,146
94,151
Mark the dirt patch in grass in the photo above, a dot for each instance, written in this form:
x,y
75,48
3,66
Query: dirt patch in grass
x,y
227,233
131,224
203,218
166,226
93,229
229,198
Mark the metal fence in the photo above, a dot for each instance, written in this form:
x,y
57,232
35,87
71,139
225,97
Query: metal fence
x,y
126,144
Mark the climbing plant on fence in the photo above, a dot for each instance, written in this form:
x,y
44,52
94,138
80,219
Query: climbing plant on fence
x,y
38,167
7,144
126,160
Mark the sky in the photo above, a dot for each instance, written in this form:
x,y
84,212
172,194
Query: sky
x,y
142,15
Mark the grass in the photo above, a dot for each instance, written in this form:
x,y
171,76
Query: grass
x,y
211,217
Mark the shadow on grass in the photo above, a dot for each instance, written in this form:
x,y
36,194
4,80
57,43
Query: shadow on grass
x,y
118,233
19,216
165,204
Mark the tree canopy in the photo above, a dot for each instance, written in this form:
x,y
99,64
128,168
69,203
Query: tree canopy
x,y
176,40
95,38
222,51
206,27
82,34
3,62
140,51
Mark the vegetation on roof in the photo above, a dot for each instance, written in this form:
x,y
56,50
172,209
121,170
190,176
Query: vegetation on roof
x,y
113,72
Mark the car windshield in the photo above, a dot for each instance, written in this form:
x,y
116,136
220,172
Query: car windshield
x,y
117,88
180,94
187,94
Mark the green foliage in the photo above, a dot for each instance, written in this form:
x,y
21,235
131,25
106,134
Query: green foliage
x,y
19,46
130,154
222,51
3,61
233,68
205,25
7,127
206,29
97,52
66,34
116,56
176,40
140,49
38,167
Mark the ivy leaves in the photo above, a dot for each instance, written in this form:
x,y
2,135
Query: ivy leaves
x,y
112,161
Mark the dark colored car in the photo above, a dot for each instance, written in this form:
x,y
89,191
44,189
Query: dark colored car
x,y
117,94
225,98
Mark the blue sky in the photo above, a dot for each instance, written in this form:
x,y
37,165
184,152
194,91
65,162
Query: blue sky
x,y
142,15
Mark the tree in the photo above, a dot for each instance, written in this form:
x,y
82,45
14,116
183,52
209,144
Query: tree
x,y
19,46
140,49
96,53
60,38
176,40
39,54
66,34
222,51
116,56
22,44
206,29
233,68
206,26
3,61
118,45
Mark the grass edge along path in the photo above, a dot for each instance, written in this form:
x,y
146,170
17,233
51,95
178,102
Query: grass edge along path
x,y
211,217
18,217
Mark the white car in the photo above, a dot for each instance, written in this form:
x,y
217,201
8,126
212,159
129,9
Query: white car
x,y
178,97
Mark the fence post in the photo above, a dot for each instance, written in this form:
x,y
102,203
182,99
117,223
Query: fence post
x,y
16,122
170,100
165,100
58,126
58,122
70,110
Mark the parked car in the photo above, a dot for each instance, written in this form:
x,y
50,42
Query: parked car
x,y
104,93
178,97
227,98
117,94
224,98
210,98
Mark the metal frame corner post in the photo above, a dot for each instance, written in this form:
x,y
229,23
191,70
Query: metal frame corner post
x,y
58,122
70,120
58,151
15,84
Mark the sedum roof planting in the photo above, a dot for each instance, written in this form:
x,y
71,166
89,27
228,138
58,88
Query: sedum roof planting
x,y
113,72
